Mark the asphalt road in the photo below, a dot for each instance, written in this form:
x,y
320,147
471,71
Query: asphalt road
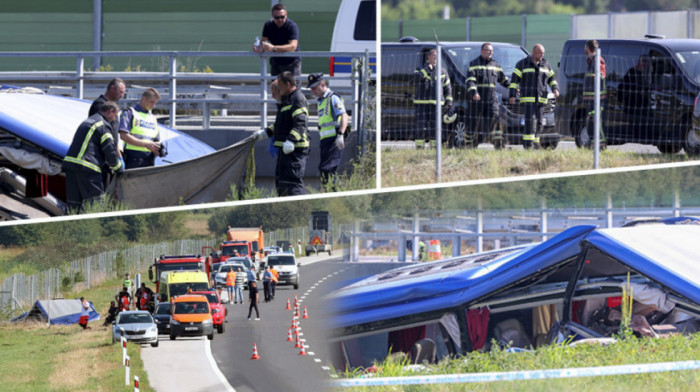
x,y
196,364
564,145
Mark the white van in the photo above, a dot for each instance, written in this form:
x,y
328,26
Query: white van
x,y
355,31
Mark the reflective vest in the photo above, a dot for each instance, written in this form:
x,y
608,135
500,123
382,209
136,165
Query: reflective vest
x,y
275,275
327,124
143,127
128,283
230,278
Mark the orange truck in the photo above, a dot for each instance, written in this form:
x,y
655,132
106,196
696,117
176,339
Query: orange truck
x,y
247,241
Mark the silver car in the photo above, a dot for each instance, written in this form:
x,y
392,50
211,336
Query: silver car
x,y
138,326
224,268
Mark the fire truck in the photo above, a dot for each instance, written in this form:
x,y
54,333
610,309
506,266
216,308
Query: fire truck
x,y
177,263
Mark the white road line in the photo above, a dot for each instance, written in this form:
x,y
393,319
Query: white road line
x,y
317,360
311,353
212,363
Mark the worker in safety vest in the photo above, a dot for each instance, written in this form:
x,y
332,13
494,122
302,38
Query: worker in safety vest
x,y
138,128
230,282
128,283
275,280
123,299
332,126
425,80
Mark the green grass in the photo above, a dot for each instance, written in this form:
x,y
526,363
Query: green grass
x,y
628,351
67,358
412,167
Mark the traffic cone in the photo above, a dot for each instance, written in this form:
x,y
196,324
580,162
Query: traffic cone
x,y
303,350
296,312
289,335
255,352
294,323
306,315
288,305
298,343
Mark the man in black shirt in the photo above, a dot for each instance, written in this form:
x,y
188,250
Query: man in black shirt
x,y
281,34
253,291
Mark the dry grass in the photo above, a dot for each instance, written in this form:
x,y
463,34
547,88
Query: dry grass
x,y
413,167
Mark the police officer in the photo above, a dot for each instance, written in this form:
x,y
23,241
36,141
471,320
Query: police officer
x,y
531,77
138,129
332,124
128,283
291,137
482,75
589,90
425,79
92,148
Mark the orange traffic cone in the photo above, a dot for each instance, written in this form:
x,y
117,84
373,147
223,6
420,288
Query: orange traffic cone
x,y
288,305
289,335
296,312
303,350
298,343
306,315
255,352
294,323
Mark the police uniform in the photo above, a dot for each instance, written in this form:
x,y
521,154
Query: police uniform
x,y
141,124
291,124
92,149
330,111
589,95
425,101
482,77
532,80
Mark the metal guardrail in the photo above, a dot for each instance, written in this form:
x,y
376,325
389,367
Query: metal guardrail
x,y
359,80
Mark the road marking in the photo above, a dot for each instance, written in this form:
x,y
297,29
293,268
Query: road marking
x,y
311,353
215,368
317,360
303,297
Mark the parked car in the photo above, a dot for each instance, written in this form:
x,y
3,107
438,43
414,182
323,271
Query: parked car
x,y
191,316
401,59
224,268
218,311
286,265
138,326
161,316
653,87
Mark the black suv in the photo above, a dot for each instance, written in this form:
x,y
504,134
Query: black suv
x,y
400,60
652,88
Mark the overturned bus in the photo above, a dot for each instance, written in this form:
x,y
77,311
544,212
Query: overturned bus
x,y
568,287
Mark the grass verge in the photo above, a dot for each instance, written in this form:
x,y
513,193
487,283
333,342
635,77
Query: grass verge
x,y
628,351
413,167
66,357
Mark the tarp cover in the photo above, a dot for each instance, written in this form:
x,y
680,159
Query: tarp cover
x,y
59,311
666,254
200,180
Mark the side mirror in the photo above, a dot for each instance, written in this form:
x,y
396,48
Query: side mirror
x,y
298,264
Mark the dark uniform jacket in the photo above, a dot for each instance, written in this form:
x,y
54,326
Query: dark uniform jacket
x,y
589,79
425,79
92,146
482,77
291,121
532,80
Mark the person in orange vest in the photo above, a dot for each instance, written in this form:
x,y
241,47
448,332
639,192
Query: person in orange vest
x,y
230,282
274,280
123,299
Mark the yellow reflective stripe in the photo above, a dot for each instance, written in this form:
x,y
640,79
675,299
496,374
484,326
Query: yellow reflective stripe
x,y
117,166
425,74
553,83
295,134
490,68
471,78
536,139
301,144
300,111
105,137
529,70
486,85
87,164
327,133
551,73
285,108
446,82
88,136
590,74
542,99
527,99
136,148
517,72
513,85
471,88
425,101
528,137
278,143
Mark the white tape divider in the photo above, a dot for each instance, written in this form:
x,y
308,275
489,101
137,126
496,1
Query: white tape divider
x,y
520,375
127,375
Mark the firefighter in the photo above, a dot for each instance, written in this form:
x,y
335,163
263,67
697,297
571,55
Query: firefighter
x,y
530,79
92,148
483,74
123,299
332,123
291,137
589,90
424,101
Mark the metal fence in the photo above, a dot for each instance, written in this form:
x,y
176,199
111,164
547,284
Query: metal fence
x,y
20,290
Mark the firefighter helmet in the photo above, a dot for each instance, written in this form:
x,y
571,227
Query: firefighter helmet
x,y
449,116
